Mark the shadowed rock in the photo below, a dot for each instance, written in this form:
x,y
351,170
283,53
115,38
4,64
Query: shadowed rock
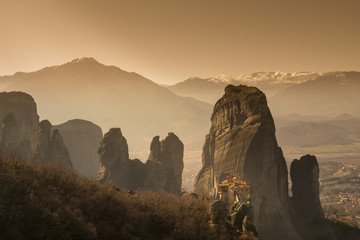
x,y
115,163
165,164
10,136
114,157
58,152
242,143
162,171
23,107
308,216
42,141
82,139
49,148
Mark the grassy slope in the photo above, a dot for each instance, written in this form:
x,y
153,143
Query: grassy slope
x,y
45,202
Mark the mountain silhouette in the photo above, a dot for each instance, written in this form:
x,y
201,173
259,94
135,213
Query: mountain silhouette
x,y
111,97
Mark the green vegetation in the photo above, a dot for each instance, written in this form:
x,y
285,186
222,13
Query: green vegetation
x,y
45,202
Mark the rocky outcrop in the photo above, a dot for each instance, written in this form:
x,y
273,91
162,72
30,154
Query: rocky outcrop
x,y
242,143
42,141
23,107
50,147
58,152
308,216
10,137
114,158
162,171
165,164
82,139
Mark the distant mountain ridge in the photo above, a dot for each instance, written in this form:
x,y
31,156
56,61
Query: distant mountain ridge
x,y
111,97
331,94
327,93
211,89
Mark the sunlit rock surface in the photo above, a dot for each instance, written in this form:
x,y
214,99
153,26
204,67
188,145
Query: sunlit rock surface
x,y
242,143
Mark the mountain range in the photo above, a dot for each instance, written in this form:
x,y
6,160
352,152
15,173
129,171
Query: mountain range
x,y
327,94
305,105
111,97
211,89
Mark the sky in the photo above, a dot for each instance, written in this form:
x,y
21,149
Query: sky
x,y
169,41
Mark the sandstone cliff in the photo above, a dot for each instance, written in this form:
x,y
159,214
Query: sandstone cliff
x,y
308,216
23,107
162,171
82,139
242,143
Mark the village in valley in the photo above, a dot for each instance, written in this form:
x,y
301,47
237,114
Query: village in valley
x,y
339,191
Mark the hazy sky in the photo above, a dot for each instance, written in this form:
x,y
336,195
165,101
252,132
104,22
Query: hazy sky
x,y
168,41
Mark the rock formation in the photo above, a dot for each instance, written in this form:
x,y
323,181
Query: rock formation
x,y
242,143
49,148
23,107
165,164
58,152
42,141
114,158
82,139
162,171
308,216
10,137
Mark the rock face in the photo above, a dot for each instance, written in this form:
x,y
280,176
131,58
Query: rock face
x,y
82,139
10,137
42,141
162,171
49,148
308,216
165,164
114,158
58,152
23,107
242,143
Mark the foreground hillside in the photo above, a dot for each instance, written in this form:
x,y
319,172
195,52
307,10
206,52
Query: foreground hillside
x,y
45,202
